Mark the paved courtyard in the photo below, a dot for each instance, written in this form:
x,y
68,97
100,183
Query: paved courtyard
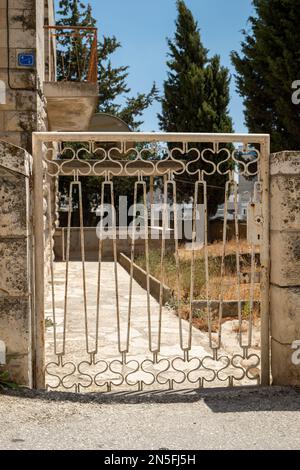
x,y
76,337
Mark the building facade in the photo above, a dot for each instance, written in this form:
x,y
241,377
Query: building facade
x,y
24,68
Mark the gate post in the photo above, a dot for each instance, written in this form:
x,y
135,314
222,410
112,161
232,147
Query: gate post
x,y
39,262
265,262
285,268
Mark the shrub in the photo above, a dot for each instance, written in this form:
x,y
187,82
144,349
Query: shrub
x,y
5,381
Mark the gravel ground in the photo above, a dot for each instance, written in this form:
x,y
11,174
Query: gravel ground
x,y
241,418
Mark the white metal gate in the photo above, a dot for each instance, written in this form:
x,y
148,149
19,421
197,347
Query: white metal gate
x,y
185,313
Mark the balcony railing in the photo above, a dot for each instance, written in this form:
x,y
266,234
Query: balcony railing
x,y
76,55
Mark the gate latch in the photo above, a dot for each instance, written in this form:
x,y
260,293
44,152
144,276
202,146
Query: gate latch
x,y
254,223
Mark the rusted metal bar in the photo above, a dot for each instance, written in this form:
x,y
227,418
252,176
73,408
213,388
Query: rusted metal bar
x,y
87,28
88,32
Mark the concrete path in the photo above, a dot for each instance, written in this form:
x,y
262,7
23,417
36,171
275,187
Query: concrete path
x,y
139,366
230,419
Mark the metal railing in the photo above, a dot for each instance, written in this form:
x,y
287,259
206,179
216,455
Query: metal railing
x,y
195,361
77,52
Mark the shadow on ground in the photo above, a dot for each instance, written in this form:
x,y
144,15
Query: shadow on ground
x,y
221,400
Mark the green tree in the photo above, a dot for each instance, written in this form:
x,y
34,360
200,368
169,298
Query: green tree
x,y
114,93
113,85
196,98
74,48
73,54
266,68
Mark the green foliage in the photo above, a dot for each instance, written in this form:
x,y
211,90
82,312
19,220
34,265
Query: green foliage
x,y
91,196
267,67
135,106
170,276
49,322
5,381
200,314
196,98
246,311
113,89
73,57
73,51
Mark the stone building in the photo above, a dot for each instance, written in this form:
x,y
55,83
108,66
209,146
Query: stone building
x,y
24,68
30,97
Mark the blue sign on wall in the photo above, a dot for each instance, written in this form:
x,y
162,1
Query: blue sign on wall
x,y
26,59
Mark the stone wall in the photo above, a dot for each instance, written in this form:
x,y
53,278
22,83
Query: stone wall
x,y
25,109
285,267
15,260
22,111
91,244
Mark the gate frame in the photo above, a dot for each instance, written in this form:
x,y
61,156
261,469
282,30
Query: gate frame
x,y
39,138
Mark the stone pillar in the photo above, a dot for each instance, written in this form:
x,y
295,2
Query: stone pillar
x,y
15,261
285,268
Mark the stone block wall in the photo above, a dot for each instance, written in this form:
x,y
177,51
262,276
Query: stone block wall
x,y
285,266
15,260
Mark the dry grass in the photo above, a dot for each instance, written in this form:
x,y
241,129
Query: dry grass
x,y
169,276
215,249
230,289
227,287
200,319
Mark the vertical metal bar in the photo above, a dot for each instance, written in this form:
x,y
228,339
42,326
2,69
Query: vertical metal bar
x,y
51,247
49,57
251,295
116,275
132,253
67,267
38,231
265,263
223,261
237,258
206,258
63,244
162,259
146,237
113,231
100,247
192,280
82,250
151,191
177,262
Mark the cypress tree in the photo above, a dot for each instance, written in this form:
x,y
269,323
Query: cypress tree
x,y
266,69
196,98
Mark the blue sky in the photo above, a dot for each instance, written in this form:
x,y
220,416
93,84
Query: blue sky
x,y
142,27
